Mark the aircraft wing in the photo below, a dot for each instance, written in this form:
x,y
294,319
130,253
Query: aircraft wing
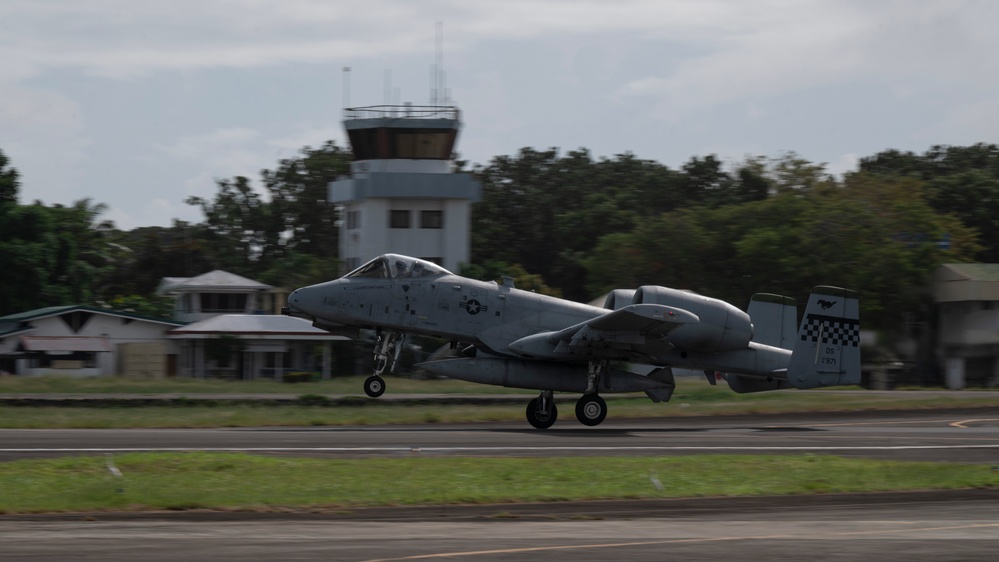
x,y
619,330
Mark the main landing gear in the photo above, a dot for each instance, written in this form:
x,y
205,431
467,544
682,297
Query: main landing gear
x,y
541,412
387,349
591,409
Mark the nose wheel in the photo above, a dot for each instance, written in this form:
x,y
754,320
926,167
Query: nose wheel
x,y
374,386
387,351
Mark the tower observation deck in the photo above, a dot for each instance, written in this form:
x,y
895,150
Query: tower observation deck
x,y
402,195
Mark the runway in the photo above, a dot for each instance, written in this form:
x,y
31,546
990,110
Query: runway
x,y
970,435
915,526
959,525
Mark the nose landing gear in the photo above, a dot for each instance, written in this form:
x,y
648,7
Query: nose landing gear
x,y
387,350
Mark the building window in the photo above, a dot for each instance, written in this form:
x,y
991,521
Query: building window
x,y
398,219
431,219
353,220
223,302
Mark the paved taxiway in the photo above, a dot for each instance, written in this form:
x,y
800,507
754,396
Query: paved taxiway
x,y
969,435
959,525
915,526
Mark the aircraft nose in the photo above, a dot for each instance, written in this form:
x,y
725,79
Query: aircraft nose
x,y
314,300
301,301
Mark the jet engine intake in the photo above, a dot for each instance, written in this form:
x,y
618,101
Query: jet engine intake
x,y
619,298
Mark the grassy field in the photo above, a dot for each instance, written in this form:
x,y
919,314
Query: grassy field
x,y
178,481
230,481
193,387
692,398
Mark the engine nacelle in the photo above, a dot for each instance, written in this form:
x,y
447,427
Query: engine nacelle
x,y
723,327
619,298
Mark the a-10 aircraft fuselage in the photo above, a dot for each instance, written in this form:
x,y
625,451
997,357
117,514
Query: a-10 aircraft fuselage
x,y
523,339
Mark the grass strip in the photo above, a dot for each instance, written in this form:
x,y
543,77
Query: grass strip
x,y
195,417
235,481
52,384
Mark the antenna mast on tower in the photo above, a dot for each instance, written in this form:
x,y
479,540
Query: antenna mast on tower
x,y
438,94
346,87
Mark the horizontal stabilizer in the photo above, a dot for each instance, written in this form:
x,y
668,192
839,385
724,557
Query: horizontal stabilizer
x,y
775,319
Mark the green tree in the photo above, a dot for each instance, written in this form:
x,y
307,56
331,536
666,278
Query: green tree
x,y
973,197
142,257
870,233
28,254
248,233
496,271
962,181
84,249
301,215
547,212
8,182
235,220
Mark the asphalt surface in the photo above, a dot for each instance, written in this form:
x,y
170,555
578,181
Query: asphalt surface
x,y
957,525
970,435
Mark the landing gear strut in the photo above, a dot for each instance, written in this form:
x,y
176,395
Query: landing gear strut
x,y
591,408
541,412
387,351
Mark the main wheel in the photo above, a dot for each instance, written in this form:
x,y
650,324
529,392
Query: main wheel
x,y
374,386
591,410
539,420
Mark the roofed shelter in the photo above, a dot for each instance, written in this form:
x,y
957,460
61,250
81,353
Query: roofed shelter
x,y
85,341
251,346
219,292
967,300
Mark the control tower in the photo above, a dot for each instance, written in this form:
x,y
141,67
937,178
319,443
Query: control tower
x,y
403,195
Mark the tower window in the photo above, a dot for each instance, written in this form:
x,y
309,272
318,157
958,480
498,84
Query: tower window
x,y
398,219
431,219
353,220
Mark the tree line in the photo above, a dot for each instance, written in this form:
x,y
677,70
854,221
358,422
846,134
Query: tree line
x,y
567,224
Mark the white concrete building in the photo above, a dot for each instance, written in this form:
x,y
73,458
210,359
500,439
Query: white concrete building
x,y
219,292
86,341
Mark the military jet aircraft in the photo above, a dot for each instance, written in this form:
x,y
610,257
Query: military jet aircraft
x,y
521,339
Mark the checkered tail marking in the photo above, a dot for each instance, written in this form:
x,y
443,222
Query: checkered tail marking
x,y
833,329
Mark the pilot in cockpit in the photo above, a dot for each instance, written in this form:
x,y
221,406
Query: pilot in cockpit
x,y
401,269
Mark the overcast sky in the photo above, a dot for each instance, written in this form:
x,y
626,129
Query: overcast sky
x,y
140,104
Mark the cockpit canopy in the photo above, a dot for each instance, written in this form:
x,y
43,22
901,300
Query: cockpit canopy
x,y
394,266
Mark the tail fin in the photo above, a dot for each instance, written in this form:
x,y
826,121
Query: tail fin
x,y
827,350
774,319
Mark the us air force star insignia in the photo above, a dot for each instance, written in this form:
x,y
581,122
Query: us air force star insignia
x,y
473,307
